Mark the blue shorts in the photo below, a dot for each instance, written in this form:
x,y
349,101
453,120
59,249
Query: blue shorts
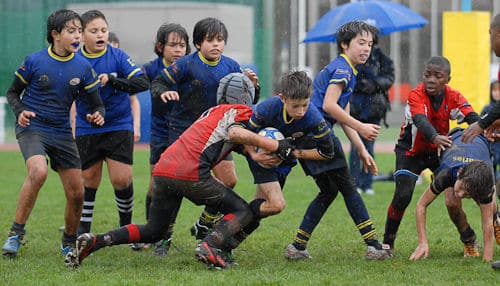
x,y
61,150
266,175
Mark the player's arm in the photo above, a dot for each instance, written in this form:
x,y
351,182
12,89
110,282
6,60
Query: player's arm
x,y
330,106
97,108
163,89
14,96
486,215
425,200
131,85
238,134
136,114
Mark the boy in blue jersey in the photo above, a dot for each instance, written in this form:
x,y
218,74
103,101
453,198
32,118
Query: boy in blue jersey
x,y
292,114
43,126
192,82
332,90
465,171
172,42
113,143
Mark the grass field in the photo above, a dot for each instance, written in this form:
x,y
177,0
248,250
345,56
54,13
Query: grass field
x,y
336,246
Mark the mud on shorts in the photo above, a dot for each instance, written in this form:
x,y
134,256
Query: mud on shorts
x,y
115,145
61,150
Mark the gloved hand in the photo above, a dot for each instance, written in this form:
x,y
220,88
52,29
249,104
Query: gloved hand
x,y
285,150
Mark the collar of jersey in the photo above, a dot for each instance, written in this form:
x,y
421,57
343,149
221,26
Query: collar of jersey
x,y
285,117
164,61
210,63
346,58
59,58
96,55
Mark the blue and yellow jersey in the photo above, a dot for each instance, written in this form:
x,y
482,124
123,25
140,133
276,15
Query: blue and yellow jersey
x,y
160,111
338,71
459,155
53,83
271,113
196,79
118,112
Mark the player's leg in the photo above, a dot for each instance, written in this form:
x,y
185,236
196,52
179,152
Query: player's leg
x,y
355,166
32,148
459,218
224,172
327,193
359,214
405,178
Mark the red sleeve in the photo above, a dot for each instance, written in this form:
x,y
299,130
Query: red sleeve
x,y
461,102
417,101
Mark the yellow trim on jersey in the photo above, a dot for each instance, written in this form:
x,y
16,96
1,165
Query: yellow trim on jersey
x,y
284,116
336,81
169,76
354,70
92,84
21,77
164,61
322,134
133,72
254,124
93,56
59,58
210,63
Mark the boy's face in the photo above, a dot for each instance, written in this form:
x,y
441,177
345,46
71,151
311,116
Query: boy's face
x,y
495,40
358,50
95,35
435,79
212,49
69,39
460,190
174,48
295,108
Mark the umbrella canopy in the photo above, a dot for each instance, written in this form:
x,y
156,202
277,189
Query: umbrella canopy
x,y
387,16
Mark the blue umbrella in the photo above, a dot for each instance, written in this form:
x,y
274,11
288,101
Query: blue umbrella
x,y
387,16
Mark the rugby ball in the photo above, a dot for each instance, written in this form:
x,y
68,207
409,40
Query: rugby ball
x,y
273,133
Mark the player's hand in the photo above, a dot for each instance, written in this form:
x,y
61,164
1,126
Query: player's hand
x,y
369,131
104,78
471,132
96,119
169,95
24,118
442,142
285,150
369,164
266,158
422,250
252,76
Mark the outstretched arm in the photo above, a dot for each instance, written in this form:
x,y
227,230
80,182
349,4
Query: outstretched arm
x,y
487,211
422,249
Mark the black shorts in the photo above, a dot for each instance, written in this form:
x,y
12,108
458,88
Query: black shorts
x,y
61,150
156,148
416,164
204,192
115,145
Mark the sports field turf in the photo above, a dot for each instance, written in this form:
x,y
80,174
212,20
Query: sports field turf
x,y
336,246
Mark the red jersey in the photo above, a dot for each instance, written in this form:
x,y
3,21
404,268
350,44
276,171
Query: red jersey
x,y
203,144
453,107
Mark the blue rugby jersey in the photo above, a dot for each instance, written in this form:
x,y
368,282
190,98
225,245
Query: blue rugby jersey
x,y
196,79
53,83
338,71
118,111
160,111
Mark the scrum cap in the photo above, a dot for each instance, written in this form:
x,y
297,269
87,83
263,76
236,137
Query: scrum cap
x,y
235,88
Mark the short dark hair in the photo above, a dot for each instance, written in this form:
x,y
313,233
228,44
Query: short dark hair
x,y
350,30
112,37
296,84
477,179
210,28
163,33
440,61
57,21
91,15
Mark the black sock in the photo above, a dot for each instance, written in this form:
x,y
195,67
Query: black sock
x,y
87,211
125,203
